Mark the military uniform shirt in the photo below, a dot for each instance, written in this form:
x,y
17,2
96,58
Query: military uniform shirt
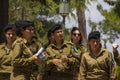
x,y
23,62
55,53
5,59
101,67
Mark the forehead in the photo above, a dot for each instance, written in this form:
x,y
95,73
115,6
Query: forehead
x,y
76,31
29,27
10,31
58,30
93,40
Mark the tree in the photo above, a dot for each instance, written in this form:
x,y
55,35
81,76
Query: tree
x,y
33,10
3,17
80,6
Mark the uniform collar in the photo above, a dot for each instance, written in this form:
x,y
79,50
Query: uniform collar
x,y
99,54
63,45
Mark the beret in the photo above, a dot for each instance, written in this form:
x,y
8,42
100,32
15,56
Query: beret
x,y
94,35
23,24
8,27
55,27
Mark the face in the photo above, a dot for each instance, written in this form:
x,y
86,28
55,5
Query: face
x,y
10,36
94,44
76,36
58,35
28,32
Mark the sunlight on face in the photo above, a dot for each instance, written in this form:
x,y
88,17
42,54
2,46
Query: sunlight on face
x,y
10,36
28,32
58,34
75,36
94,44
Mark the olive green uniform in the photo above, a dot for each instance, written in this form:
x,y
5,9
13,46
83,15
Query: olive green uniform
x,y
78,52
5,62
117,58
24,67
101,67
66,72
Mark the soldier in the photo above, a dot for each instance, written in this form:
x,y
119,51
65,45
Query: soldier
x,y
24,67
79,49
116,54
97,64
60,57
6,52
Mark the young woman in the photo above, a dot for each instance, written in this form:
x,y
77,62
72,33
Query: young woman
x,y
24,67
6,49
60,58
97,64
79,49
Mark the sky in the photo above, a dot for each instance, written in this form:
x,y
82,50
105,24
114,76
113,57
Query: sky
x,y
92,14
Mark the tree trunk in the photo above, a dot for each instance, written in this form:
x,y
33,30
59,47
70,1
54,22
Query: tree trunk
x,y
82,24
3,16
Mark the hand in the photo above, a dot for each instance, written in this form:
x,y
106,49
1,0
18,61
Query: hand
x,y
37,61
56,61
115,46
64,58
35,56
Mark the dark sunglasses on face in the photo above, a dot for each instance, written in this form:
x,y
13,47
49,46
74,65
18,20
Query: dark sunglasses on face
x,y
76,34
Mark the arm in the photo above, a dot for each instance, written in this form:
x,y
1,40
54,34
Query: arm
x,y
83,69
22,55
112,67
116,54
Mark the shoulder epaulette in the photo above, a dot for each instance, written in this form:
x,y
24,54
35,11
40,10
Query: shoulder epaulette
x,y
68,42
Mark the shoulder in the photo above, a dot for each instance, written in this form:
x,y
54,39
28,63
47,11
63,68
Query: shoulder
x,y
36,40
86,54
68,43
19,40
82,47
106,51
2,45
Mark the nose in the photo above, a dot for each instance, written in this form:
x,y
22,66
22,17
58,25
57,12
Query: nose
x,y
11,35
95,43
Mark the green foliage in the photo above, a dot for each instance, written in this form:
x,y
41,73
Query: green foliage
x,y
117,8
110,26
110,2
29,10
118,72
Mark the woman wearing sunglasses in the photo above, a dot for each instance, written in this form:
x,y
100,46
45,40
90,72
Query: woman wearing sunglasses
x,y
79,49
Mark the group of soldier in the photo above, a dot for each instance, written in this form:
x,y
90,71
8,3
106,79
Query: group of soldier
x,y
59,59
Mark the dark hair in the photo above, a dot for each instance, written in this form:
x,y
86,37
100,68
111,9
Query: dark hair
x,y
94,35
9,27
56,27
74,29
23,24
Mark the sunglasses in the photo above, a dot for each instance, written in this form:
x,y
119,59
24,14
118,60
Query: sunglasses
x,y
76,34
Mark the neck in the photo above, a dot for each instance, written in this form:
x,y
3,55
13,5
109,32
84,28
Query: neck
x,y
28,39
59,44
9,45
76,44
96,51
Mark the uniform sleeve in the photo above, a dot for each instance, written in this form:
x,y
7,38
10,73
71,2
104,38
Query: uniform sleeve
x,y
19,58
112,67
83,69
117,57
